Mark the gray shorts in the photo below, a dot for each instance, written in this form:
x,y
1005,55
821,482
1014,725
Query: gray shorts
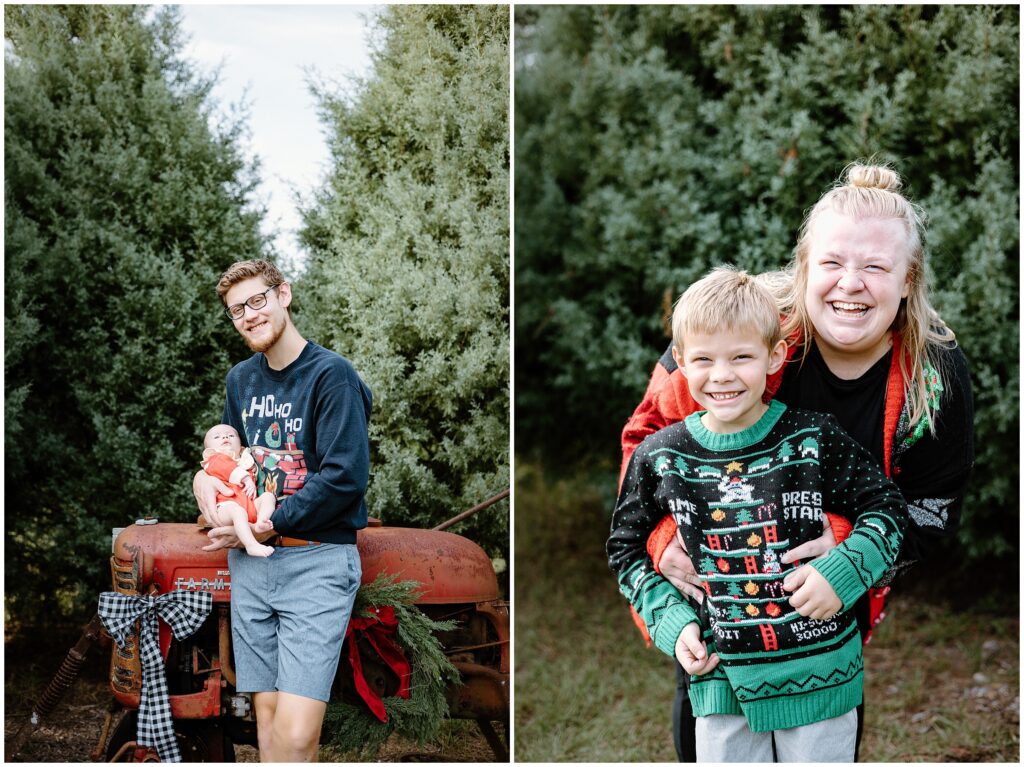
x,y
289,613
727,738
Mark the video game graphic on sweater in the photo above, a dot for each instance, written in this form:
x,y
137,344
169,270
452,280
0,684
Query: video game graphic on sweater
x,y
741,501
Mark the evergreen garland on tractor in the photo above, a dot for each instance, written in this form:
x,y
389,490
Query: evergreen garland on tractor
x,y
353,728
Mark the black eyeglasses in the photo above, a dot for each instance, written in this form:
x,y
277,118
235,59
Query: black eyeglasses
x,y
258,301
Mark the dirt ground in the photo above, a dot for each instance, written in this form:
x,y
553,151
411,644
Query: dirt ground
x,y
71,732
942,684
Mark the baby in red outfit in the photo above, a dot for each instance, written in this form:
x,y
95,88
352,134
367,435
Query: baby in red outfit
x,y
225,459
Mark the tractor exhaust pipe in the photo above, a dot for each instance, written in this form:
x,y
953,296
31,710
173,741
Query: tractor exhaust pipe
x,y
479,507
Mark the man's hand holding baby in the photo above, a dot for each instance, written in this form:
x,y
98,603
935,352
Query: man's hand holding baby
x,y
205,488
224,537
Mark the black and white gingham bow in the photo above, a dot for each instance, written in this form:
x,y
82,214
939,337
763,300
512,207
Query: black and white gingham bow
x,y
184,612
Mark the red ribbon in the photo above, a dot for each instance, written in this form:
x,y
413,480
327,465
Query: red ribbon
x,y
379,629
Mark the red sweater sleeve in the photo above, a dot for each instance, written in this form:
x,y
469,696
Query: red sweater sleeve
x,y
666,401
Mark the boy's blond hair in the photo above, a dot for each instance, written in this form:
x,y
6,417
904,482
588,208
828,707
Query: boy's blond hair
x,y
726,298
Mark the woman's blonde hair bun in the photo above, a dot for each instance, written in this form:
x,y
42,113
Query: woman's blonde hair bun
x,y
873,177
870,189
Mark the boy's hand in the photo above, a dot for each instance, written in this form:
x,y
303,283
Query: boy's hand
x,y
813,596
677,567
249,487
691,652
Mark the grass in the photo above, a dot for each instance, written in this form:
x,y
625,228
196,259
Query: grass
x,y
942,683
582,673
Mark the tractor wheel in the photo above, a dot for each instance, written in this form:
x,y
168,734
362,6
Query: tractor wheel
x,y
198,741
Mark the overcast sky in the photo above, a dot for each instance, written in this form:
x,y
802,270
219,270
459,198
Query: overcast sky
x,y
264,52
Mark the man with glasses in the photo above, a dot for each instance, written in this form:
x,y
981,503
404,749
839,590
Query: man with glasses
x,y
303,412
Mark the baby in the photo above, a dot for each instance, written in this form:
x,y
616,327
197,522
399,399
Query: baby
x,y
225,459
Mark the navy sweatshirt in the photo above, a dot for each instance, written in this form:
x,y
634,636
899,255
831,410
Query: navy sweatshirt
x,y
306,426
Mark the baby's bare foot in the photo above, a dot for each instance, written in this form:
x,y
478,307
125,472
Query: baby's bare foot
x,y
259,550
263,526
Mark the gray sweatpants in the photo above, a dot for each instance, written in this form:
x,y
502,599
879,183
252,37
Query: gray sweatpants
x,y
727,738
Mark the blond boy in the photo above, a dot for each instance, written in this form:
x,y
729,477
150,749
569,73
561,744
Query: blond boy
x,y
746,482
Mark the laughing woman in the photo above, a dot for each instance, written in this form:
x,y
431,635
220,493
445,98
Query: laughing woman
x,y
866,347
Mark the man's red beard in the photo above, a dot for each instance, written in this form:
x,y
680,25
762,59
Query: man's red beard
x,y
264,345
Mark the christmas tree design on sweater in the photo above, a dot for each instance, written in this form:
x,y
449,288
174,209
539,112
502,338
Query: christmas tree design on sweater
x,y
741,501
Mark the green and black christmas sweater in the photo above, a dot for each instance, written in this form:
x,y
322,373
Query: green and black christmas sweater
x,y
741,501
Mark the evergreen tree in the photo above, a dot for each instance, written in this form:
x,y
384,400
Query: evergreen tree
x,y
654,142
410,255
122,206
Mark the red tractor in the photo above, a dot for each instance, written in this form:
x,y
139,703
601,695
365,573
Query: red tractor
x,y
457,582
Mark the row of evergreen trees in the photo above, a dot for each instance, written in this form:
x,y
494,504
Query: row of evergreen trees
x,y
409,272
124,200
654,142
